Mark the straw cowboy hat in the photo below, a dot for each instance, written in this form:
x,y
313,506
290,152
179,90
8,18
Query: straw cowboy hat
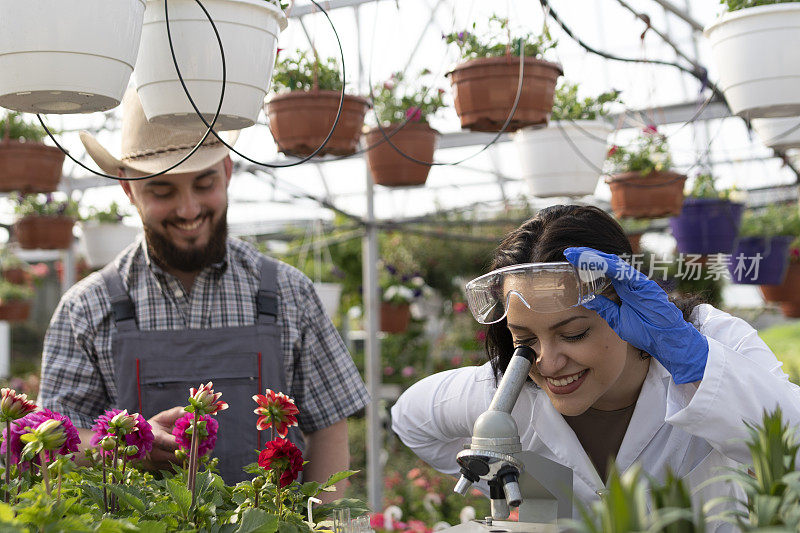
x,y
150,148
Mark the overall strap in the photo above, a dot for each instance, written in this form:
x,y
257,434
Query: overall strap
x,y
122,306
267,298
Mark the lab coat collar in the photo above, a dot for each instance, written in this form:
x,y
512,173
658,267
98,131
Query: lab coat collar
x,y
648,418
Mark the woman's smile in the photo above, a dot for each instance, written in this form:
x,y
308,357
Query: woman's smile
x,y
566,384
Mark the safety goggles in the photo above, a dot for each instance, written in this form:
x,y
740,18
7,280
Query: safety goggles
x,y
541,287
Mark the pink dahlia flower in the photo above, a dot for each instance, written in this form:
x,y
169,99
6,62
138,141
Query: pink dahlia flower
x,y
140,436
32,421
208,433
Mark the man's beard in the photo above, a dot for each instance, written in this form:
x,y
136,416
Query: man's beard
x,y
166,254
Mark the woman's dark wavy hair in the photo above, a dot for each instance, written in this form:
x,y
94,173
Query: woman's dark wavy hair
x,y
543,239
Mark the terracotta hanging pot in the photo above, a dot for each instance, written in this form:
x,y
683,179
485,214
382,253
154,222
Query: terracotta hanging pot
x,y
389,167
788,292
484,91
42,232
15,310
29,167
658,194
17,276
300,121
395,318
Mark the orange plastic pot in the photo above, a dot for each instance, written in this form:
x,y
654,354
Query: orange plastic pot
x,y
15,310
46,233
300,121
388,166
787,294
395,318
29,167
657,194
484,91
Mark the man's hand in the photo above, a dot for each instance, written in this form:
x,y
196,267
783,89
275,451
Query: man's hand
x,y
164,444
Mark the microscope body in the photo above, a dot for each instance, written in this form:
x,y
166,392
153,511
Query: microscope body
x,y
541,488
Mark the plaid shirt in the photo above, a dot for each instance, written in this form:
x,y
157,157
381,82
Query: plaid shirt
x,y
77,361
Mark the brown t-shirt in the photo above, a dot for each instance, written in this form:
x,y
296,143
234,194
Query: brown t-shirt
x,y
601,433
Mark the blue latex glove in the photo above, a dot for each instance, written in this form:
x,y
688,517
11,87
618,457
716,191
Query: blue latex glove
x,y
645,318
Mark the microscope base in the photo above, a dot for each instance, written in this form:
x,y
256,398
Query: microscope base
x,y
479,526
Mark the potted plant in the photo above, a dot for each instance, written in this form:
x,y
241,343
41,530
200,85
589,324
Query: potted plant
x,y
709,220
398,291
104,236
485,82
755,47
403,132
14,269
642,186
44,222
634,228
15,305
82,67
303,110
761,254
566,158
787,293
26,164
248,30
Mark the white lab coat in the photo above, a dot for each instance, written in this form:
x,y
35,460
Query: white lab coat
x,y
690,429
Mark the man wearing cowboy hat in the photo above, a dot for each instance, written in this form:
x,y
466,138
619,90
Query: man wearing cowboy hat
x,y
185,305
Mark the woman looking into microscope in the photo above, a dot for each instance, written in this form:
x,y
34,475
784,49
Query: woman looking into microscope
x,y
623,374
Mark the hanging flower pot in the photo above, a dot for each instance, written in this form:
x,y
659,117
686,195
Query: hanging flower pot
x,y
44,232
395,317
564,159
707,226
15,310
388,166
248,30
760,260
778,133
653,195
102,242
300,121
756,52
329,294
787,292
29,167
16,275
484,90
67,56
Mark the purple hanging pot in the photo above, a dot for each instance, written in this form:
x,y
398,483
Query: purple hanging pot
x,y
760,260
707,226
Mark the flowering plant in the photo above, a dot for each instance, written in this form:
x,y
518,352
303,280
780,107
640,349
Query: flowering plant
x,y
301,71
397,288
703,187
499,41
772,221
648,153
45,205
567,105
277,411
397,102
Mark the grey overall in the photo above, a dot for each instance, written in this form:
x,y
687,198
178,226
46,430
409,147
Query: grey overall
x,y
155,369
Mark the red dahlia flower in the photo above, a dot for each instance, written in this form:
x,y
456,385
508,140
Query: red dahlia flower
x,y
275,409
205,401
14,405
283,457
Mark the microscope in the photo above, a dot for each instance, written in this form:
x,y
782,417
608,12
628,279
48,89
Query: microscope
x,y
539,487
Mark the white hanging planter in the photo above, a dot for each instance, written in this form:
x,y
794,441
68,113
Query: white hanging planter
x,y
248,30
101,243
778,133
564,158
756,52
330,294
67,56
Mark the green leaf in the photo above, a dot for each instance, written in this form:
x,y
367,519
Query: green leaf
x,y
338,476
180,494
257,521
129,496
6,513
151,526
